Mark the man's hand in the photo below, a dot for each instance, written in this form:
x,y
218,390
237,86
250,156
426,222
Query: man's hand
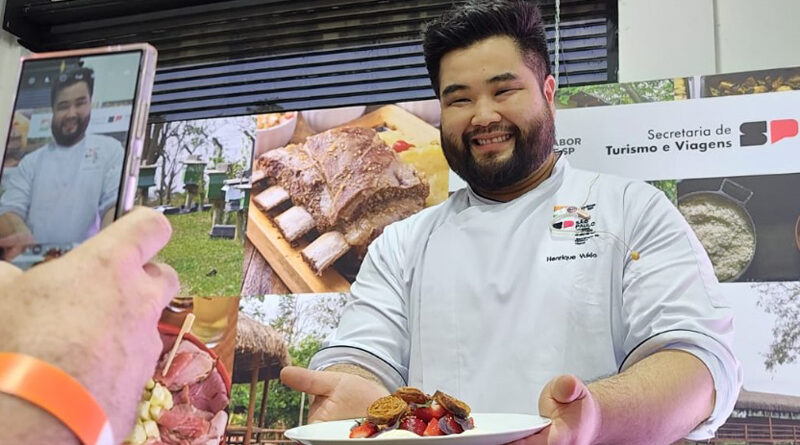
x,y
94,313
575,414
338,395
13,245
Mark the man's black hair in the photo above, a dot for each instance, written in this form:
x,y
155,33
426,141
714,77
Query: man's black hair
x,y
476,20
69,78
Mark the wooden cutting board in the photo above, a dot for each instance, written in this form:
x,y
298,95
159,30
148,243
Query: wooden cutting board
x,y
285,259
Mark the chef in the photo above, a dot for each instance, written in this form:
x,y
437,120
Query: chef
x,y
539,288
67,190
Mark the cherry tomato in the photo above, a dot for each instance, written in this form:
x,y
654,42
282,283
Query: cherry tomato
x,y
401,146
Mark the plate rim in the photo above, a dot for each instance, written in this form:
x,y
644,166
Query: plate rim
x,y
546,421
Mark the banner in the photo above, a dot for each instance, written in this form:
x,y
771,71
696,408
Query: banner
x,y
722,136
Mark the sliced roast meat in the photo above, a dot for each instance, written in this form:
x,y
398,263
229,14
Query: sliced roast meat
x,y
370,224
324,251
271,198
294,223
187,425
340,174
190,365
209,395
183,424
215,431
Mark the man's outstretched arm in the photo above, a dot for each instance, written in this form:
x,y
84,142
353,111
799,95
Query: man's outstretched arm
x,y
657,401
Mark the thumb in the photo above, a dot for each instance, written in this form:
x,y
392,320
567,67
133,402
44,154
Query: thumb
x,y
17,239
318,383
567,389
136,237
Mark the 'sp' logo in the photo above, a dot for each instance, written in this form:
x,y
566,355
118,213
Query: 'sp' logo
x,y
755,133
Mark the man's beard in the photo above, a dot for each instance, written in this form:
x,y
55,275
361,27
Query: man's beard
x,y
68,140
532,147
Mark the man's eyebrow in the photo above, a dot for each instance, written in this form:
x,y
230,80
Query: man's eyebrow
x,y
496,79
453,88
502,78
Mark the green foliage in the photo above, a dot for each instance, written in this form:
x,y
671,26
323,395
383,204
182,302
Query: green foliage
x,y
617,93
669,187
782,299
237,168
194,255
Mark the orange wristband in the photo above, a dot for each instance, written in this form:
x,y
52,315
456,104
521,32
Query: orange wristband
x,y
56,392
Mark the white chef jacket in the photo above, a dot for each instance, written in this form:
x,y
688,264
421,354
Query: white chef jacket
x,y
482,300
62,192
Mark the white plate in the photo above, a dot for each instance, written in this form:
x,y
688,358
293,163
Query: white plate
x,y
490,429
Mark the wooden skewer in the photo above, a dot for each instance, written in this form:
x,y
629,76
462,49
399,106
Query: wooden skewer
x,y
187,324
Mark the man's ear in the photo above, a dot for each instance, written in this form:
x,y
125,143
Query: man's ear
x,y
549,92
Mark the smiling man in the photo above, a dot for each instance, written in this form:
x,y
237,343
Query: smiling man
x,y
539,288
64,192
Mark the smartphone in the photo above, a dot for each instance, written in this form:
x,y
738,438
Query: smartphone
x,y
71,160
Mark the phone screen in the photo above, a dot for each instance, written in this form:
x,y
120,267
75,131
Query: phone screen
x,y
62,170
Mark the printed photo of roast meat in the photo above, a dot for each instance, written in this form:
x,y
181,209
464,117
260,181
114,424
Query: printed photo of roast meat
x,y
349,183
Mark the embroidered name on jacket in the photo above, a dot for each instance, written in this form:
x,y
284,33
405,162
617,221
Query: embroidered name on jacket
x,y
584,255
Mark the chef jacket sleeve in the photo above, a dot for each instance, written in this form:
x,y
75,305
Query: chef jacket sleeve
x,y
671,300
373,331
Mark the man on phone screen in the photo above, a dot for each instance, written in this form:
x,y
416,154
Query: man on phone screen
x,y
64,192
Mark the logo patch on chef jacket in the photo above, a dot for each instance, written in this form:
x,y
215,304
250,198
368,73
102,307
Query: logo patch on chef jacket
x,y
573,222
91,155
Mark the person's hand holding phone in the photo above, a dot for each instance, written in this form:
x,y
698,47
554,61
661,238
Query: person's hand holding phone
x,y
94,313
15,237
11,246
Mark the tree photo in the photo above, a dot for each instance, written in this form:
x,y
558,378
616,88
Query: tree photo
x,y
184,166
781,299
303,321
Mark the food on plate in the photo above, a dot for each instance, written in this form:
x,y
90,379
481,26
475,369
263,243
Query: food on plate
x,y
427,158
350,182
724,230
363,430
155,399
386,410
397,433
409,412
450,403
187,405
411,395
265,121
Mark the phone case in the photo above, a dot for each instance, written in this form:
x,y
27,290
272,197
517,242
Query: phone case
x,y
139,113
